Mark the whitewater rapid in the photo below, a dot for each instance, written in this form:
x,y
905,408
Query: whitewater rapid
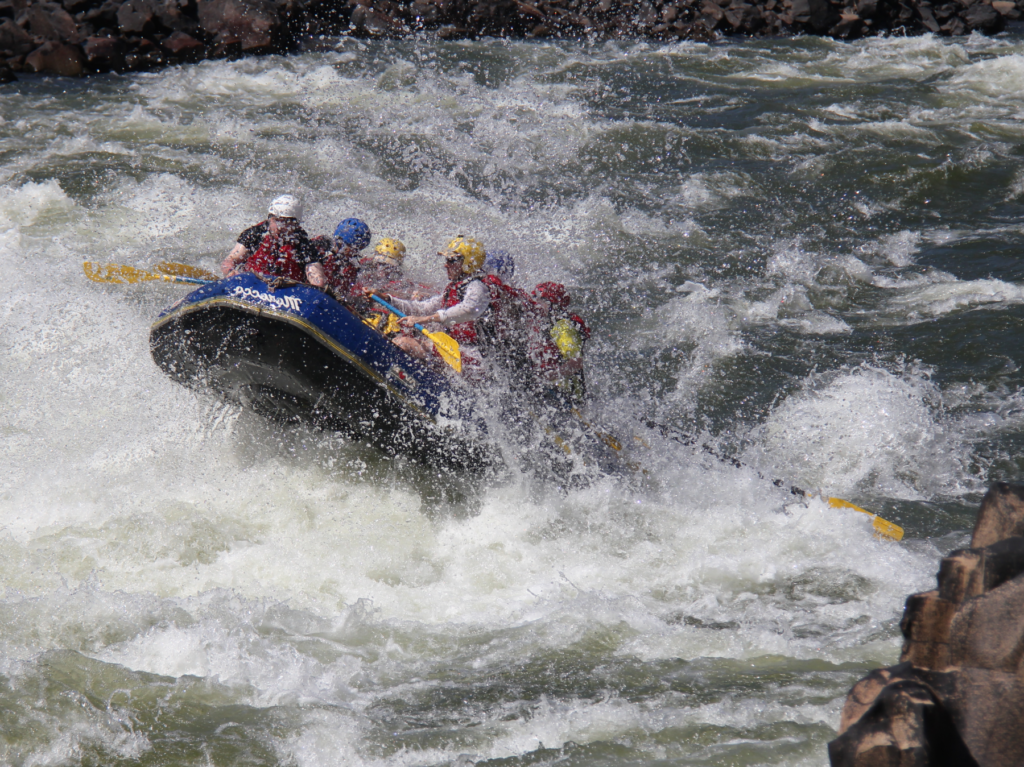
x,y
802,252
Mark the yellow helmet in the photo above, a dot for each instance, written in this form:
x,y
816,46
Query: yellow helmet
x,y
391,249
472,253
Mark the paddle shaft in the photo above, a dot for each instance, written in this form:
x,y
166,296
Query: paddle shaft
x,y
689,440
393,310
882,526
445,345
190,280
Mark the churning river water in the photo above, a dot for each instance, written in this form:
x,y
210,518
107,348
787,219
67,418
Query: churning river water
x,y
802,251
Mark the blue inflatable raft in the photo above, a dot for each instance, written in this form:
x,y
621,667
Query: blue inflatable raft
x,y
295,353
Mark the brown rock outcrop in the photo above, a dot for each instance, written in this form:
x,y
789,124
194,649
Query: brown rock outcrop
x,y
957,696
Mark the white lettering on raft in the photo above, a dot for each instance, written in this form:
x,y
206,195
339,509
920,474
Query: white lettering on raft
x,y
286,302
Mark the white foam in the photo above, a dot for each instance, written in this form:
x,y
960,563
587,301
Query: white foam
x,y
153,528
863,425
937,294
998,77
24,205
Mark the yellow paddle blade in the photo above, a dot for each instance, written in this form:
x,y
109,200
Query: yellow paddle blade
x,y
185,270
118,273
883,528
448,348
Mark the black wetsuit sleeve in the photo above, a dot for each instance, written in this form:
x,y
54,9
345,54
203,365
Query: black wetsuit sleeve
x,y
251,238
306,252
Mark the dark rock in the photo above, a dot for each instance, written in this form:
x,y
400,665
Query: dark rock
x,y
849,26
378,24
15,39
230,50
188,30
819,15
105,53
6,74
712,12
957,697
697,31
952,26
744,17
453,32
138,17
104,15
173,16
905,725
984,18
11,9
58,59
924,10
1002,510
425,12
183,45
249,23
50,22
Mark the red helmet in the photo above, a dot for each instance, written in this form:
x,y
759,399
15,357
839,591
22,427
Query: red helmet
x,y
554,293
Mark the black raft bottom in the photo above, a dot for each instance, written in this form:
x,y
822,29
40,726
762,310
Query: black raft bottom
x,y
279,370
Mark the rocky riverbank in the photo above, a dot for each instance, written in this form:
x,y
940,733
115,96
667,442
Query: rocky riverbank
x,y
78,37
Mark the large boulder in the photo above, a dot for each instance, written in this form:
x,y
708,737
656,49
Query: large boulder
x,y
183,46
13,39
957,696
145,17
50,22
57,59
138,17
253,24
104,53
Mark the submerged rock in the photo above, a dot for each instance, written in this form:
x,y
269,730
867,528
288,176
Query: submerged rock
x,y
63,37
957,695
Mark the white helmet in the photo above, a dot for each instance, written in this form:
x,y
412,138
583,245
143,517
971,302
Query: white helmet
x,y
286,206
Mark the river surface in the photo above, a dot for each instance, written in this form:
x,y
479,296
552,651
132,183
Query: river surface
x,y
804,252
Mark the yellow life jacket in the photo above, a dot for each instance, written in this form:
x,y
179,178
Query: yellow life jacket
x,y
567,338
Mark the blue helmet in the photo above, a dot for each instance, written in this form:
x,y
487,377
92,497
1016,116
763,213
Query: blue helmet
x,y
501,263
354,233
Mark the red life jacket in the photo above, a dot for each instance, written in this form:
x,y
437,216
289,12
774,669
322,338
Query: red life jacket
x,y
512,314
275,257
455,294
340,271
